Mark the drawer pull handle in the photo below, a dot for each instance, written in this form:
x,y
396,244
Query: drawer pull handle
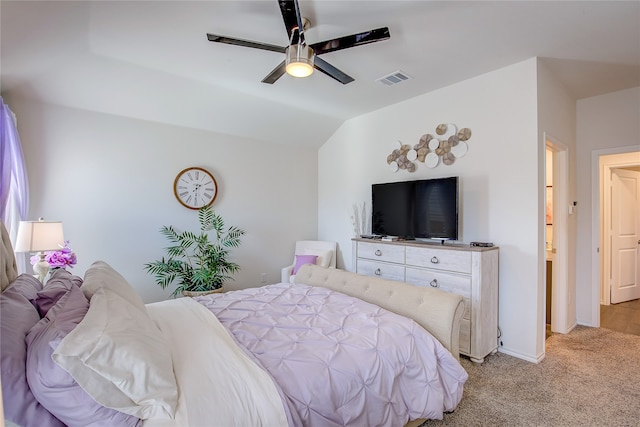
x,y
378,253
434,283
377,272
435,260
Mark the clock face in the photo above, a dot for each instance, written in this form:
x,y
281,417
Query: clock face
x,y
195,187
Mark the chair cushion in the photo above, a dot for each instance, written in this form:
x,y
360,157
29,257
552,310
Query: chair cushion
x,y
324,259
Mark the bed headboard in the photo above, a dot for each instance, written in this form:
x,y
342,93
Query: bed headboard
x,y
437,311
8,265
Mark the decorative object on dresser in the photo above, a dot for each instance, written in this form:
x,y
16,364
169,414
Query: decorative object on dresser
x,y
39,236
447,144
195,187
198,264
470,271
360,218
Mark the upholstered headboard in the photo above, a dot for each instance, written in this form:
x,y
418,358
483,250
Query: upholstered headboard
x,y
437,311
8,265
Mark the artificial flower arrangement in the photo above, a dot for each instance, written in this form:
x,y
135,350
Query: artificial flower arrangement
x,y
60,258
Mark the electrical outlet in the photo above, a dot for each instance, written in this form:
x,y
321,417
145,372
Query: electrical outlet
x,y
263,278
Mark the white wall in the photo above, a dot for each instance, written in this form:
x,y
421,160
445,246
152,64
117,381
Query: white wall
x,y
557,121
110,180
499,179
607,124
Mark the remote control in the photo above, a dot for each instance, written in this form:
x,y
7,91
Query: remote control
x,y
482,244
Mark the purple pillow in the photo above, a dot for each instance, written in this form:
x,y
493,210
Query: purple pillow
x,y
54,388
18,316
28,286
302,260
59,283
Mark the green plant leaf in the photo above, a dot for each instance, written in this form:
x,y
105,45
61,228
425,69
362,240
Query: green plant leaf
x,y
197,261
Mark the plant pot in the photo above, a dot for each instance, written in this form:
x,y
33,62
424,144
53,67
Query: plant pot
x,y
192,294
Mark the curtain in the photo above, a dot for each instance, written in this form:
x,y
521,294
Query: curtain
x,y
14,186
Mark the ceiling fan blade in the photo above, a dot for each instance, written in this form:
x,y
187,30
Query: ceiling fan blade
x,y
246,43
331,71
275,74
353,40
290,18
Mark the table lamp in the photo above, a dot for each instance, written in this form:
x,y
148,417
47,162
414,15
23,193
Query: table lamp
x,y
39,236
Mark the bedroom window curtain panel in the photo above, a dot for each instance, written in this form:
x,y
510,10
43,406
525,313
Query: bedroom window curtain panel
x,y
14,186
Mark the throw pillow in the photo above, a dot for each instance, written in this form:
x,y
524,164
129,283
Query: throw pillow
x,y
102,275
119,356
302,260
59,283
18,316
54,388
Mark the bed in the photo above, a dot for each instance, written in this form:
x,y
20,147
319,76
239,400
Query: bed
x,y
333,348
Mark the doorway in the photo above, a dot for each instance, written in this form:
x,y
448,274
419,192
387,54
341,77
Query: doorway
x,y
548,243
619,225
558,296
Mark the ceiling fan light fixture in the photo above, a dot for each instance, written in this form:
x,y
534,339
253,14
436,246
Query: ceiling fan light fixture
x,y
299,61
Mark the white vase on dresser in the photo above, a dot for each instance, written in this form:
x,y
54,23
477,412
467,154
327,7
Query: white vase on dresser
x,y
471,272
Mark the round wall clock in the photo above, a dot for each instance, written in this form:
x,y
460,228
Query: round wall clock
x,y
195,187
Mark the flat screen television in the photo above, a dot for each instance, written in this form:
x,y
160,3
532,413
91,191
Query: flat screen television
x,y
422,209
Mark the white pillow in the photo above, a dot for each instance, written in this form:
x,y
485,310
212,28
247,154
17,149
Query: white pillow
x,y
100,275
119,356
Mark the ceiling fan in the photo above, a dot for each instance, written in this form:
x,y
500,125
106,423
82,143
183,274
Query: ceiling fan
x,y
301,58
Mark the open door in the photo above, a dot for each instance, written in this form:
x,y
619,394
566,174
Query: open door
x,y
625,235
562,300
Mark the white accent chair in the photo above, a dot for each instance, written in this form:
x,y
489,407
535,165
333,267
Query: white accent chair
x,y
325,252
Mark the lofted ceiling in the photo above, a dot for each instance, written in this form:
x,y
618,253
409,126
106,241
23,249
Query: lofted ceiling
x,y
151,60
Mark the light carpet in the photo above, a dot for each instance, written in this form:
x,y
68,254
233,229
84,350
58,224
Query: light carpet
x,y
589,377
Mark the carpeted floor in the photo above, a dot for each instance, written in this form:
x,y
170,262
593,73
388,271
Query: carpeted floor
x,y
590,377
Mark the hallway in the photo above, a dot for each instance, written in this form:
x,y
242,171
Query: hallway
x,y
623,317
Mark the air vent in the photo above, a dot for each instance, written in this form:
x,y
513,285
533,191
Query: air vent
x,y
394,78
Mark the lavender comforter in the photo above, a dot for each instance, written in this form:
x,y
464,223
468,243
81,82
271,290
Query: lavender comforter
x,y
338,360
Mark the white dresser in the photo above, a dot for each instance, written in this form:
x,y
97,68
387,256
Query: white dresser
x,y
469,271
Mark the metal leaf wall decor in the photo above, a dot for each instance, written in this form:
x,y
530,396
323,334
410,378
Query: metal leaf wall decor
x,y
445,147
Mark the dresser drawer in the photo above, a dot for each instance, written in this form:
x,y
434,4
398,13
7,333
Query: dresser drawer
x,y
380,269
381,252
454,283
439,259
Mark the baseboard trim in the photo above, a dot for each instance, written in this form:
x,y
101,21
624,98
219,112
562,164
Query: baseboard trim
x,y
526,357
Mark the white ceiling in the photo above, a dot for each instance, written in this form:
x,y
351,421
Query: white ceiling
x,y
152,60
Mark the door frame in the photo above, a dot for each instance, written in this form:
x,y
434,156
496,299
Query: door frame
x,y
560,295
604,161
629,294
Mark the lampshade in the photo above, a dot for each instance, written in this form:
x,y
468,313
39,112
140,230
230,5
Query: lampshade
x,y
38,236
299,60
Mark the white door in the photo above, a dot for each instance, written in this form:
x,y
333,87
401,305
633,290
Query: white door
x,y
625,235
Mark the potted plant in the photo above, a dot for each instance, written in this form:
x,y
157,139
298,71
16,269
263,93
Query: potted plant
x,y
194,262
